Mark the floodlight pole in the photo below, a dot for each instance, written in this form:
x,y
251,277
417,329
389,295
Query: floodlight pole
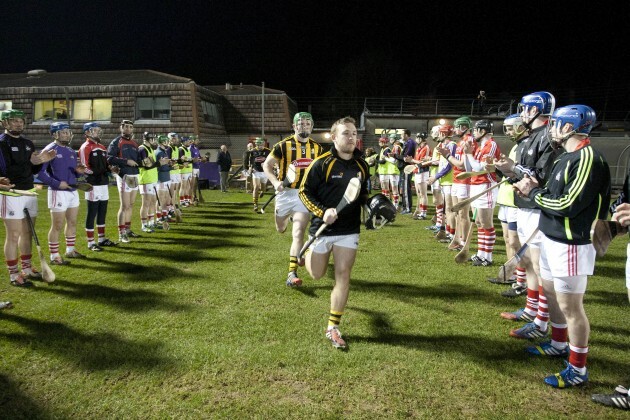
x,y
263,111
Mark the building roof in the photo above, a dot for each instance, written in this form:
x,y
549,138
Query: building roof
x,y
232,90
41,78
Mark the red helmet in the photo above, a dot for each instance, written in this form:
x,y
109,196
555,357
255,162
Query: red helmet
x,y
383,141
446,130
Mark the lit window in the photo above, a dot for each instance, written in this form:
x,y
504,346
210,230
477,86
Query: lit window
x,y
211,112
92,109
153,108
82,109
5,105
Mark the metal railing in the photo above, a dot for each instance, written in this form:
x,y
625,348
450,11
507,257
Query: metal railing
x,y
411,106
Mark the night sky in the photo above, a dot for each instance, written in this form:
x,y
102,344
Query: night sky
x,y
577,50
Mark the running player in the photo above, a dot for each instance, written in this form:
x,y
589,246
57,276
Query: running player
x,y
18,163
93,156
322,190
300,150
63,199
257,157
577,192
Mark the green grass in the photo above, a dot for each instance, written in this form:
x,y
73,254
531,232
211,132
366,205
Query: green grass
x,y
196,323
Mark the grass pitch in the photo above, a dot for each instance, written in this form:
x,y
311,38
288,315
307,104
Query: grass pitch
x,y
196,322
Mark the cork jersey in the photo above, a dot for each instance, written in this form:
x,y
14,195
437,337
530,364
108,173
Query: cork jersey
x,y
459,155
488,148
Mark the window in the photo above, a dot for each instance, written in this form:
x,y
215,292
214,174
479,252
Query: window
x,y
153,108
211,112
92,109
82,109
4,105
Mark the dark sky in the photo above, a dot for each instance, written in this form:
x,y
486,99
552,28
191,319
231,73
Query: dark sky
x,y
578,50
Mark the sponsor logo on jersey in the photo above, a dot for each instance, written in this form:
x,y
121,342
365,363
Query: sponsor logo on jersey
x,y
302,163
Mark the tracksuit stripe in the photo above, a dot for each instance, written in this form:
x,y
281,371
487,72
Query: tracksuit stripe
x,y
584,168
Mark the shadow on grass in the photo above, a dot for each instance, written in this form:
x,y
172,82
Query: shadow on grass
x,y
15,404
126,300
93,351
497,354
139,272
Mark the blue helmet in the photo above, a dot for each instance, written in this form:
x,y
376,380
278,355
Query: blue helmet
x,y
581,117
544,102
58,126
90,125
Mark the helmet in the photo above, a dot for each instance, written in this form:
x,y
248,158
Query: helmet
x,y
383,141
422,135
125,122
192,137
379,212
581,117
435,132
484,125
544,102
58,126
12,113
446,130
148,136
259,140
162,139
302,115
463,121
513,126
89,126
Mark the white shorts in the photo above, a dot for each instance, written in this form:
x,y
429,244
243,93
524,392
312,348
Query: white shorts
x,y
527,221
123,186
436,186
176,178
13,207
446,189
569,284
421,177
562,260
460,190
98,193
196,172
389,180
60,201
486,201
260,176
324,244
164,186
186,176
507,214
148,189
288,202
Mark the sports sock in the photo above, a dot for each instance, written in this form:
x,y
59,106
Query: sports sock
x,y
559,335
293,263
12,266
440,215
521,276
143,221
542,315
531,307
334,318
121,229
70,243
26,262
53,248
577,357
90,236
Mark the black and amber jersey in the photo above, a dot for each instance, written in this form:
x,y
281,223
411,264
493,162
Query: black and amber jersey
x,y
577,193
256,158
291,151
325,184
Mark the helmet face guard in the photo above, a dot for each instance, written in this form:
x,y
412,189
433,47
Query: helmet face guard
x,y
13,121
92,130
513,127
380,211
303,124
534,105
482,125
61,132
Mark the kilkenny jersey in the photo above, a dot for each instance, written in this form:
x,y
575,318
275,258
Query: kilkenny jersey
x,y
577,192
257,157
488,149
291,151
324,186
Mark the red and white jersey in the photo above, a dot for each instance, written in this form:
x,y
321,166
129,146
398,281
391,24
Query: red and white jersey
x,y
488,148
459,155
422,153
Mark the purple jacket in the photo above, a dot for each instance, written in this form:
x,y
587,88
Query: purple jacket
x,y
195,153
62,168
